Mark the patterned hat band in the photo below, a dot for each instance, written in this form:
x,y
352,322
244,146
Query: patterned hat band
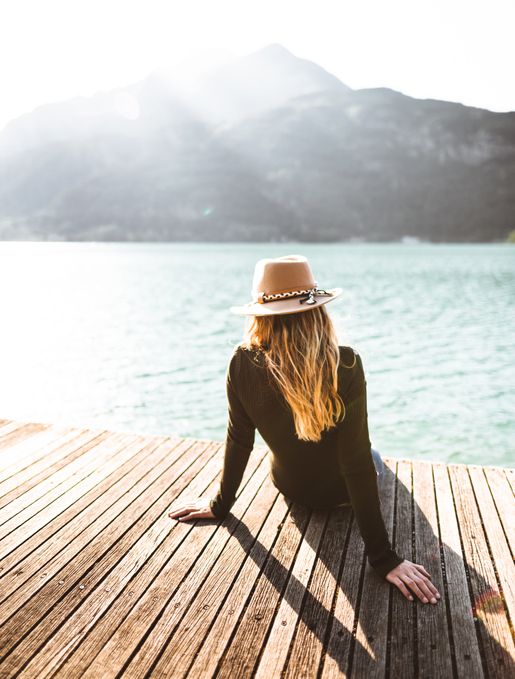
x,y
308,298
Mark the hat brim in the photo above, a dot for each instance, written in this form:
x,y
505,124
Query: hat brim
x,y
290,305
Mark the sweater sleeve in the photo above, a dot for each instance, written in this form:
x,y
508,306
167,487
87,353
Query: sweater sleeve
x,y
358,469
239,443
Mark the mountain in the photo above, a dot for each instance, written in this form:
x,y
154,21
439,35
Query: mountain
x,y
258,82
264,147
135,111
246,86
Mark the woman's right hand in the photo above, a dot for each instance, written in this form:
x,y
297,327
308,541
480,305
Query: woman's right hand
x,y
414,576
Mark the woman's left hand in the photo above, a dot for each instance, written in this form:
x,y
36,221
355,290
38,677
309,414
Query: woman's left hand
x,y
195,509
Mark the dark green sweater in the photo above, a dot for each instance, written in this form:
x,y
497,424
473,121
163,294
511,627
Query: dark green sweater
x,y
339,468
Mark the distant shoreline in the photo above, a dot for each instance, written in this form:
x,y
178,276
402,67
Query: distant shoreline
x,y
352,242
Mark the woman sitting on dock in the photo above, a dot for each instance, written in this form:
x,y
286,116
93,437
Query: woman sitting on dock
x,y
307,398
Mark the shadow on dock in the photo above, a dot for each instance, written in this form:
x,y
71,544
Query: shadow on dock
x,y
378,642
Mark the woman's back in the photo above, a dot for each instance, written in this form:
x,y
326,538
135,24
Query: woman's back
x,y
337,469
305,471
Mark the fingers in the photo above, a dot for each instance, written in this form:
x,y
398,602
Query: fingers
x,y
434,592
194,515
198,509
193,505
184,513
175,512
422,570
413,578
419,588
426,585
403,588
423,589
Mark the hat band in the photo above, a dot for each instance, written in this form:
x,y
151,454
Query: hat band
x,y
261,298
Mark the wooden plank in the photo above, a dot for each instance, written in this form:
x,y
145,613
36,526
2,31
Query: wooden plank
x,y
466,649
492,623
496,537
227,617
150,624
244,651
21,433
58,456
306,652
341,639
85,519
40,454
371,645
274,655
510,477
99,559
8,427
504,498
27,441
402,658
27,514
434,650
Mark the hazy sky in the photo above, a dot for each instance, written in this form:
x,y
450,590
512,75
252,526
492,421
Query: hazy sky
x,y
457,50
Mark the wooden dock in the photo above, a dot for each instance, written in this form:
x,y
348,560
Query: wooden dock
x,y
96,581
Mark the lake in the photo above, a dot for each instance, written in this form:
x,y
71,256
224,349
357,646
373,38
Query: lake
x,y
136,337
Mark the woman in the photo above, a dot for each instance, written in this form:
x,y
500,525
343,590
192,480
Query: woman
x,y
307,397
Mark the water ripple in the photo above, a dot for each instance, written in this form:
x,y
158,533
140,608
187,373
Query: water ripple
x,y
99,336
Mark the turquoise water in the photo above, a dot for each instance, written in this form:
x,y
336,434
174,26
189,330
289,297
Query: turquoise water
x,y
136,337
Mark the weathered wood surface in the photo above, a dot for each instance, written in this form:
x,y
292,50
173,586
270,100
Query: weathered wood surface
x,y
96,581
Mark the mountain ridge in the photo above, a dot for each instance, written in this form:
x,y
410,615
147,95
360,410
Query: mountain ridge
x,y
313,160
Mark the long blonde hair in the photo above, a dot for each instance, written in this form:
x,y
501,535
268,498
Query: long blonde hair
x,y
302,354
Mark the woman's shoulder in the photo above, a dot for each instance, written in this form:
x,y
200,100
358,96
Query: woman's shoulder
x,y
350,367
348,356
244,357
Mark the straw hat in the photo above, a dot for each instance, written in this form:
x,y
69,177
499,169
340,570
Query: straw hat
x,y
285,285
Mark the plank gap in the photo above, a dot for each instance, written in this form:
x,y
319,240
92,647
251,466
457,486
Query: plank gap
x,y
390,598
356,614
416,668
445,583
327,636
481,647
509,479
